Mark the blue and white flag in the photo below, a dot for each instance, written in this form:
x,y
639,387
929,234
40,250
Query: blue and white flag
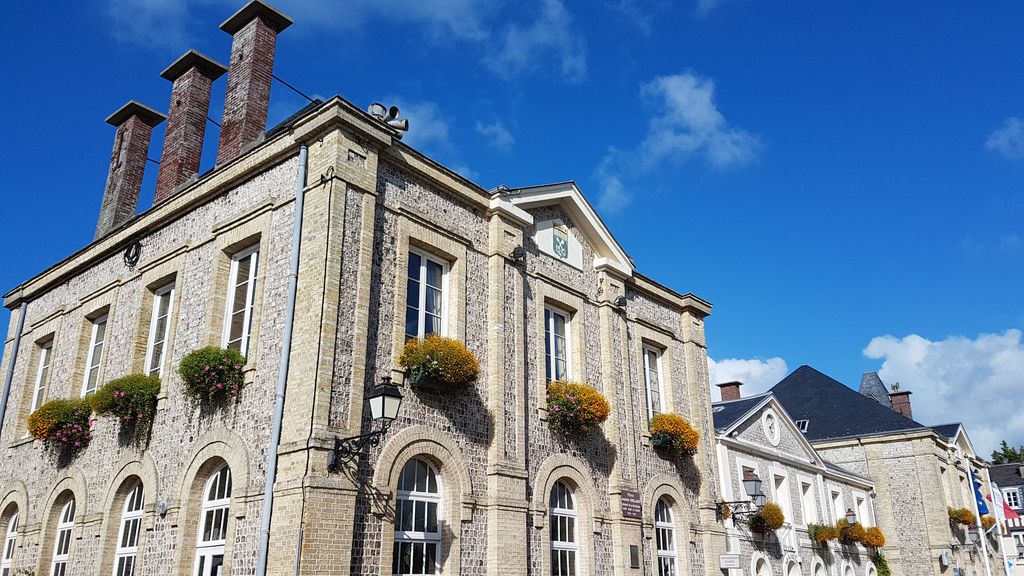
x,y
982,507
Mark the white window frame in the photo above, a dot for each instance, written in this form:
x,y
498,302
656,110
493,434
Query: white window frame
x,y
651,408
551,361
65,534
42,374
571,516
1012,497
783,496
801,425
665,532
10,541
252,253
808,501
863,509
129,534
92,362
159,296
838,506
426,537
206,550
421,298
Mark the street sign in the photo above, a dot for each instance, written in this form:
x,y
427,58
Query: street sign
x,y
728,561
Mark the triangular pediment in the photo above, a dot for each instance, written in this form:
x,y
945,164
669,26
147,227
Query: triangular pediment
x,y
768,427
608,254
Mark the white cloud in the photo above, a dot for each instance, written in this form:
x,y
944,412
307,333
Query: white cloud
x,y
550,37
460,19
496,132
958,379
687,123
1008,140
705,6
757,375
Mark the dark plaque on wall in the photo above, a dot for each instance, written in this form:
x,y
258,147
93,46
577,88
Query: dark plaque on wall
x,y
631,504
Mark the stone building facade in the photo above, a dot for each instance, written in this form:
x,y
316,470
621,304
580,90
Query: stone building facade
x,y
919,472
212,260
756,435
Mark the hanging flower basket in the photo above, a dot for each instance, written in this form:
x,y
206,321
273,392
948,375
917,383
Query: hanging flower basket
x,y
873,538
574,407
961,516
822,534
132,399
438,364
850,533
673,432
766,520
64,425
987,521
212,374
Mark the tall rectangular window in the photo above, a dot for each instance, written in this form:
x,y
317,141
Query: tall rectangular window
x,y
782,496
556,344
424,298
863,510
807,504
95,358
241,299
837,505
42,375
652,381
159,330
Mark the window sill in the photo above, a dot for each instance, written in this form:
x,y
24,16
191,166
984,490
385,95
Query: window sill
x,y
21,442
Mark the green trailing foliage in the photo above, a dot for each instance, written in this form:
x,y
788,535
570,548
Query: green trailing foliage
x,y
212,374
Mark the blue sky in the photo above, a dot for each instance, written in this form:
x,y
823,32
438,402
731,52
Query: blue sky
x,y
842,180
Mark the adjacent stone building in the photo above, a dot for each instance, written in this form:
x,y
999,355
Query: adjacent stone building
x,y
316,249
918,471
1010,480
756,436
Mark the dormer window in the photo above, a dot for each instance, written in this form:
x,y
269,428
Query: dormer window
x,y
801,425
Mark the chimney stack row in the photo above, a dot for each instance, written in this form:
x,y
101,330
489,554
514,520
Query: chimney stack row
x,y
254,29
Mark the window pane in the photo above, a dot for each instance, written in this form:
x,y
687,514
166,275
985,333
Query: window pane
x,y
430,559
407,516
434,274
412,293
433,301
405,558
414,265
432,517
417,558
421,517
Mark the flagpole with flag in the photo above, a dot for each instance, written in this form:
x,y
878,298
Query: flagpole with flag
x,y
979,505
1000,511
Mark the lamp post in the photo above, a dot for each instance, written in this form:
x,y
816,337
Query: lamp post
x,y
384,404
851,516
752,486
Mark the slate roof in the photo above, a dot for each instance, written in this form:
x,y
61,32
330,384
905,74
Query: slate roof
x,y
947,430
1006,475
834,410
872,387
733,410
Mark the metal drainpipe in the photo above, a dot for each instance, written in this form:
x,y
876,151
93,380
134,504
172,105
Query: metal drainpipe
x,y
10,367
282,380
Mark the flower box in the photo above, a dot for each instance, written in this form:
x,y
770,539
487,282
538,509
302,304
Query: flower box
x,y
438,364
212,374
64,425
574,408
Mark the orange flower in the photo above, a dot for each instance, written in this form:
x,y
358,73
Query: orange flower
x,y
436,361
574,407
873,538
676,429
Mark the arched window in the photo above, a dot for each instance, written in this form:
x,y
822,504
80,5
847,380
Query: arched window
x,y
792,569
128,534
665,538
849,571
9,541
62,544
213,523
565,543
819,569
417,528
761,568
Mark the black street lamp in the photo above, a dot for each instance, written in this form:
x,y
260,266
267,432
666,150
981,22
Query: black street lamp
x,y
851,516
384,404
752,486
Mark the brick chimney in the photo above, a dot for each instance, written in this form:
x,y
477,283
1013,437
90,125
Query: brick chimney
x,y
134,124
901,400
730,390
193,75
254,29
